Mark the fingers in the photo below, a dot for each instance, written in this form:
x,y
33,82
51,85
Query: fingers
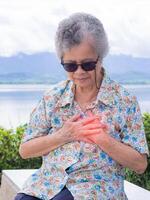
x,y
92,126
89,123
93,123
92,132
91,117
90,114
89,120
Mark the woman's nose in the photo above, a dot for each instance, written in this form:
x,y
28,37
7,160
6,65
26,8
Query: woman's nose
x,y
79,69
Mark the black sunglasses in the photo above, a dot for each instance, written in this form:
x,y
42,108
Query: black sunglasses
x,y
86,66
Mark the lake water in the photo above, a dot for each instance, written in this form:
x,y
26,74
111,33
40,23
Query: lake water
x,y
17,101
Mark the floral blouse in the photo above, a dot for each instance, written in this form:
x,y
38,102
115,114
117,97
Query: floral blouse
x,y
87,171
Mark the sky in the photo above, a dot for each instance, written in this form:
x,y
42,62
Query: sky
x,y
29,26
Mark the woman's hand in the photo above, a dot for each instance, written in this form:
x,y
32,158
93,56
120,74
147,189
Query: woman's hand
x,y
80,129
102,134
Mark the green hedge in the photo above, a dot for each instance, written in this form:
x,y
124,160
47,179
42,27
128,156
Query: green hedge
x,y
9,155
10,158
143,180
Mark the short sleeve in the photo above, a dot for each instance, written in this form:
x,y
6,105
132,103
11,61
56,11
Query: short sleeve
x,y
133,130
38,124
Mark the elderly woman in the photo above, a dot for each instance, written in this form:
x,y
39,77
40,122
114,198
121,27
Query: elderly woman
x,y
87,128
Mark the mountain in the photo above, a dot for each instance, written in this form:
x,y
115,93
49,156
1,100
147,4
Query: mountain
x,y
120,64
46,68
40,62
36,68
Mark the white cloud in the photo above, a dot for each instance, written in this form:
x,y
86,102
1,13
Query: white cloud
x,y
28,26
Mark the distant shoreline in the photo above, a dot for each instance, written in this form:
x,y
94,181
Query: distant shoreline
x,y
52,83
41,87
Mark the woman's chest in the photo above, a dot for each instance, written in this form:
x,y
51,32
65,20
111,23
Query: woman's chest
x,y
112,116
79,152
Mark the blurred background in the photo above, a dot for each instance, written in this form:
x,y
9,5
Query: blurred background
x,y
29,65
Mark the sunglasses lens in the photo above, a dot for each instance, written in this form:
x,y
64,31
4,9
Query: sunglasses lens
x,y
88,66
70,67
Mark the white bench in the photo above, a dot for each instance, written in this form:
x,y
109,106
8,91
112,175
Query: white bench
x,y
12,181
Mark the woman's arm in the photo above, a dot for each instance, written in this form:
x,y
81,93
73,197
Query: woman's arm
x,y
72,130
123,154
41,145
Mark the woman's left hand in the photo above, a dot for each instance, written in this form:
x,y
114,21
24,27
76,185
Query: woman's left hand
x,y
103,134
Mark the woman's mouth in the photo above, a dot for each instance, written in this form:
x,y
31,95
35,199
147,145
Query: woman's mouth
x,y
82,79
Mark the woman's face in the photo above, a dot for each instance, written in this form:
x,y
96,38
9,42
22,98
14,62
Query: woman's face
x,y
79,54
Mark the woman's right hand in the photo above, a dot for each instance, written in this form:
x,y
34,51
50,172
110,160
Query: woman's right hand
x,y
76,128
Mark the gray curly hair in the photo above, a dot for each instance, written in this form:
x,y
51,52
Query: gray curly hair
x,y
78,27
